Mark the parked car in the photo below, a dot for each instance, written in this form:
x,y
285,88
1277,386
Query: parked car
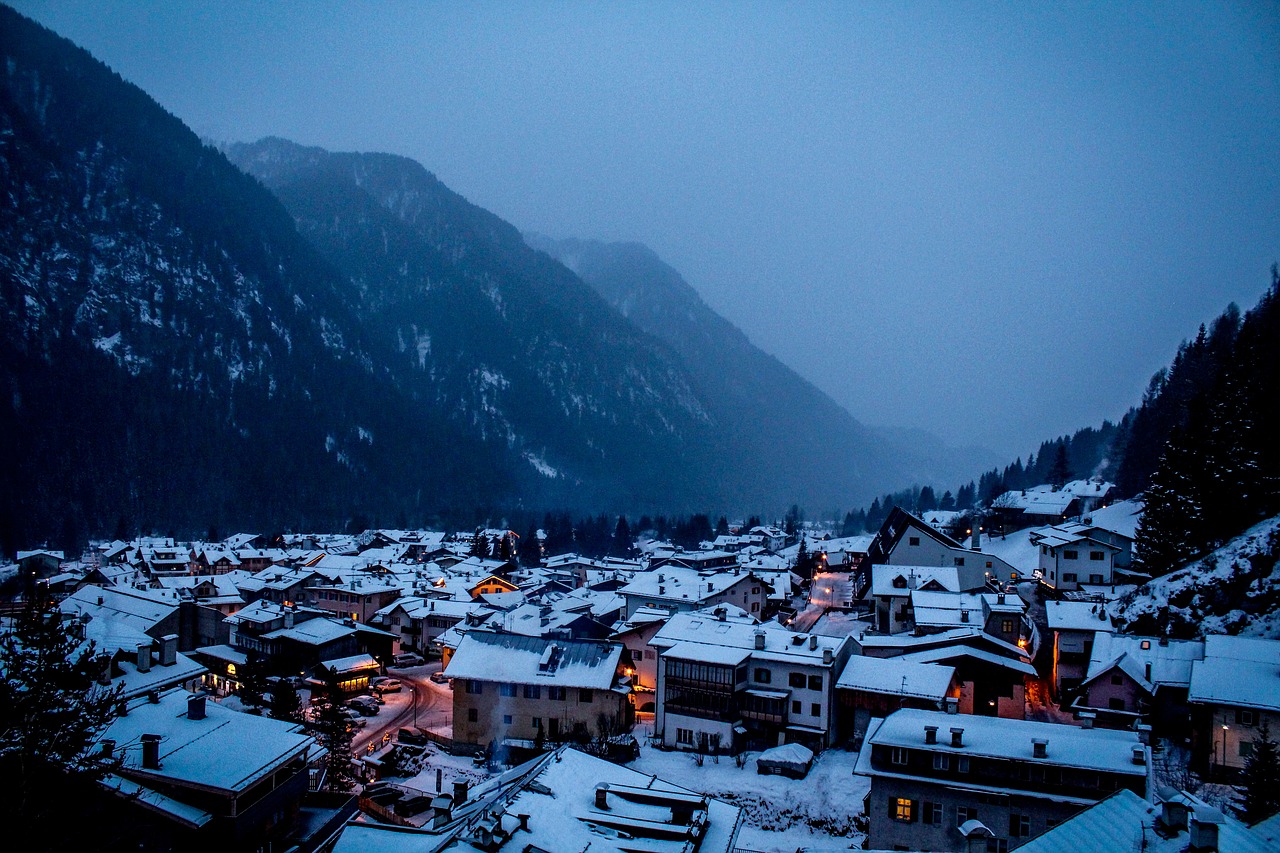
x,y
440,678
387,685
363,705
354,718
412,737
408,659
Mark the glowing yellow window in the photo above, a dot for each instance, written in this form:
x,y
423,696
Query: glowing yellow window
x,y
902,809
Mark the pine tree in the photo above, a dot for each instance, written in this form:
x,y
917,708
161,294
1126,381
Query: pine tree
x,y
623,545
1171,530
284,702
1262,777
51,709
1060,473
333,731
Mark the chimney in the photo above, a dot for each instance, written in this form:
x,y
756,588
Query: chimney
x,y
1039,748
144,657
951,705
122,708
721,614
828,655
957,737
975,544
999,598
151,752
459,792
1148,672
288,618
759,640
930,734
1204,831
1086,719
1140,755
711,587
813,642
195,707
964,614
1173,811
439,779
153,696
1164,641
602,796
1144,733
524,821
168,649
108,749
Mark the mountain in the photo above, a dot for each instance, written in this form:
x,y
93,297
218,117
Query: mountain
x,y
799,438
339,339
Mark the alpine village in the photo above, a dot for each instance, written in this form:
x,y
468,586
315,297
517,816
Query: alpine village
x,y
301,553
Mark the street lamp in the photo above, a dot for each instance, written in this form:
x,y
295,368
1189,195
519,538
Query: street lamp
x,y
1223,762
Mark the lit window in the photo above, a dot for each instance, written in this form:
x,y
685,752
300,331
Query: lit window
x,y
902,809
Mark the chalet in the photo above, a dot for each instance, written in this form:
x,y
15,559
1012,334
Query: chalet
x,y
726,683
214,561
904,540
515,690
188,773
1233,691
1073,554
681,590
1047,504
940,780
876,687
1075,625
419,620
637,634
359,597
35,565
1135,680
151,614
701,561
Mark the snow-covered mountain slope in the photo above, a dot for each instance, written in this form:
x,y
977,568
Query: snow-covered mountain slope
x,y
1233,590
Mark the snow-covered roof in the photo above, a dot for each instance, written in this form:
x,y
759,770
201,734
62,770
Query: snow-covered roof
x,y
1170,661
516,659
158,677
707,653
349,664
1077,616
738,632
998,737
1237,671
1121,517
946,653
676,583
227,750
896,677
135,608
1125,821
313,632
883,576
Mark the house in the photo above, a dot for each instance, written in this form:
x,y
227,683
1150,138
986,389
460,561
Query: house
x,y
1075,625
515,690
1135,680
904,540
34,565
700,561
681,590
1073,554
565,800
189,773
1048,504
152,614
420,620
142,671
933,775
876,687
359,597
1175,823
725,683
637,635
1233,691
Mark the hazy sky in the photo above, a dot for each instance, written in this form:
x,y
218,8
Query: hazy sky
x,y
993,221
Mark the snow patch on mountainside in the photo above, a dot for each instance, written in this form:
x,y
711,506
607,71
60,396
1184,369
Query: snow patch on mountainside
x,y
1233,590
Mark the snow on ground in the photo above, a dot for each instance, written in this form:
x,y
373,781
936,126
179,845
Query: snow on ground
x,y
779,814
1015,549
1233,590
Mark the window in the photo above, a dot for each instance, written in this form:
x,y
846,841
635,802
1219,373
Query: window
x,y
1246,748
815,682
962,764
507,690
475,687
795,706
584,696
1146,644
684,736
763,676
1019,825
506,719
902,809
913,541
555,693
755,590
1116,703
959,561
1095,579
473,715
532,691
1068,577
536,722
1246,717
1070,555
755,607
899,755
1117,678
796,679
997,845
941,762
964,813
1097,556
931,813
1006,626
815,709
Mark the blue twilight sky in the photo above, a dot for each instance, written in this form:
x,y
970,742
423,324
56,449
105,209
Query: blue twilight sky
x,y
994,221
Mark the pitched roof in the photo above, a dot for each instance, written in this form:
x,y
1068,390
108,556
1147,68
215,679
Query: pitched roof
x,y
1238,671
517,659
896,677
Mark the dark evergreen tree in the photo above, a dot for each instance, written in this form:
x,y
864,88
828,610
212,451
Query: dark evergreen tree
x,y
948,502
1060,473
927,501
1171,530
531,548
623,542
722,526
480,544
284,702
1262,777
875,516
333,730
